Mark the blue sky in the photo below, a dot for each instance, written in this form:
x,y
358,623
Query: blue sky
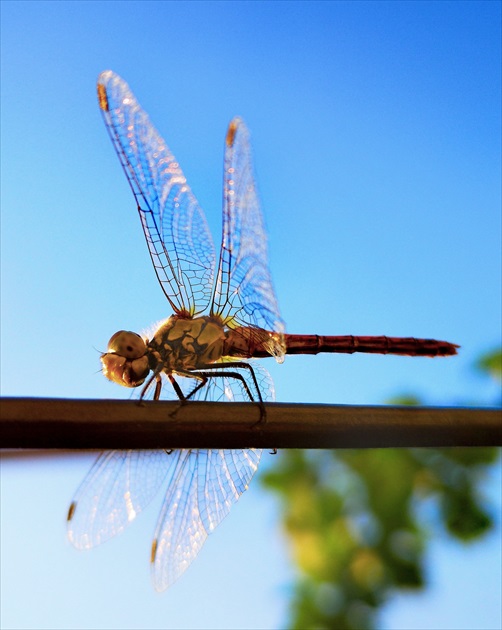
x,y
376,134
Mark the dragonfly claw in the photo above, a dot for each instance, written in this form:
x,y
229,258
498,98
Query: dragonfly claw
x,y
263,415
173,415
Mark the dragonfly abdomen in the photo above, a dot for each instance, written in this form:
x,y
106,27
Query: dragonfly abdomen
x,y
348,344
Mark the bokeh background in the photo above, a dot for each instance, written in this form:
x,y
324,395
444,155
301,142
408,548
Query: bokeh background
x,y
376,134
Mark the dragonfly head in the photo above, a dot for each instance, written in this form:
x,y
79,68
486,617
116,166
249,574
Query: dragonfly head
x,y
126,362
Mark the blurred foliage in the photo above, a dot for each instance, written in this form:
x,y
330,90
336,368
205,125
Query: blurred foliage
x,y
491,363
358,521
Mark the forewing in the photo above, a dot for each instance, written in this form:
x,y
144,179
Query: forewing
x,y
244,294
175,227
205,485
117,488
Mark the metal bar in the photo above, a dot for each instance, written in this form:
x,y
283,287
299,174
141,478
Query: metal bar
x,y
57,423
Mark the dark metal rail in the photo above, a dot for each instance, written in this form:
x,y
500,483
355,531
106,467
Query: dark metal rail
x,y
55,423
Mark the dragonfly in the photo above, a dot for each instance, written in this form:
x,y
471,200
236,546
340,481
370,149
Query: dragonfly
x,y
225,314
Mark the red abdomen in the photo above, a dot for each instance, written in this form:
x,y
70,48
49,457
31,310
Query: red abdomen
x,y
348,344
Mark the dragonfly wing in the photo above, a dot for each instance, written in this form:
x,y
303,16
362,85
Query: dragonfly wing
x,y
244,293
175,227
223,476
204,486
117,488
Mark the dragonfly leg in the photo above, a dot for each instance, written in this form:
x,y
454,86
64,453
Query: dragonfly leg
x,y
158,387
203,380
239,377
176,388
261,405
180,394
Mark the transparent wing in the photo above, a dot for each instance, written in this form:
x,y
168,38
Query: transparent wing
x,y
205,485
117,488
175,227
244,294
202,485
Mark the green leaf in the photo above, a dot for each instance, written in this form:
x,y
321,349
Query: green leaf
x,y
491,364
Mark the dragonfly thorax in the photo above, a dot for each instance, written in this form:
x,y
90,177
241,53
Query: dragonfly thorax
x,y
182,344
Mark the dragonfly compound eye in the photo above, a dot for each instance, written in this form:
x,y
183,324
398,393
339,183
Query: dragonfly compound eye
x,y
128,373
127,344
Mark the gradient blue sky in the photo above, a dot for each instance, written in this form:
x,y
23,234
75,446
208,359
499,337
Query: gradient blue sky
x,y
376,133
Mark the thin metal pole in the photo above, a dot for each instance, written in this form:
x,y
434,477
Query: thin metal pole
x,y
57,423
